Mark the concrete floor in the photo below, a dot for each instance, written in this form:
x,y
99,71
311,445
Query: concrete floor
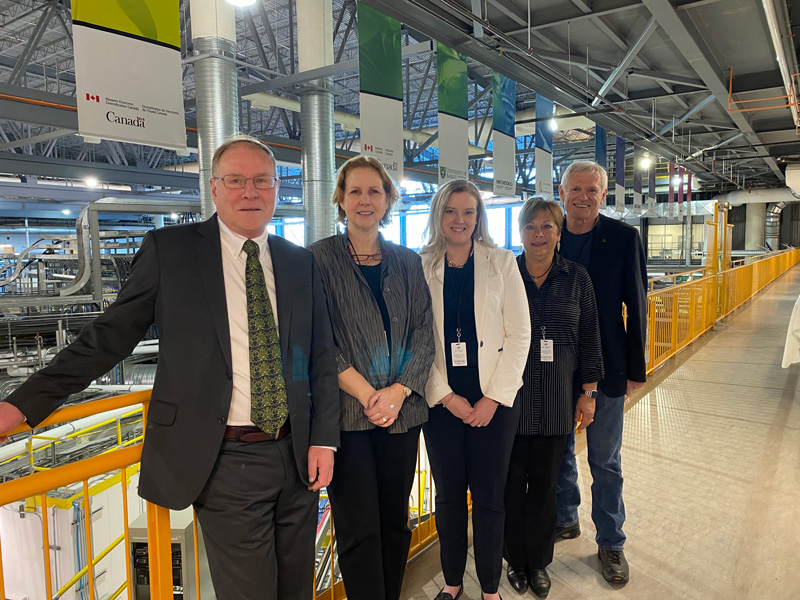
x,y
711,457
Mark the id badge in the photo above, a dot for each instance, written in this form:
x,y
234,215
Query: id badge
x,y
546,350
459,353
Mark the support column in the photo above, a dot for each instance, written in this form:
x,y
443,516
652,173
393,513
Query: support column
x,y
754,226
315,49
216,84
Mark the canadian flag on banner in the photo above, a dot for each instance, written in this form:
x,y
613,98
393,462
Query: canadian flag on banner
x,y
93,97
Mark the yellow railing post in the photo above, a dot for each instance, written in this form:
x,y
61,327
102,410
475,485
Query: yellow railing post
x,y
159,550
674,330
48,582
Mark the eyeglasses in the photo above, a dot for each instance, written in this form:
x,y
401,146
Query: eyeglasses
x,y
238,182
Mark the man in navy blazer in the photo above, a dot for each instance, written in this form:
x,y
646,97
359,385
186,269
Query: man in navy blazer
x,y
255,492
612,252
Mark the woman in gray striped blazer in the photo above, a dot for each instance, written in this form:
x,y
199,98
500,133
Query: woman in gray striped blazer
x,y
380,310
559,387
482,338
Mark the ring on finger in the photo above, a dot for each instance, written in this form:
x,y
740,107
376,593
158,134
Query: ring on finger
x,y
385,419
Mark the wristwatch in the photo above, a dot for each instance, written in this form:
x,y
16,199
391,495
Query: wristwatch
x,y
406,391
591,393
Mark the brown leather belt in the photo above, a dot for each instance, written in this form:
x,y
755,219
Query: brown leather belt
x,y
250,433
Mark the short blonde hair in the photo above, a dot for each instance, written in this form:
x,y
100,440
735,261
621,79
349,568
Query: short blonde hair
x,y
239,139
357,162
585,166
436,240
536,204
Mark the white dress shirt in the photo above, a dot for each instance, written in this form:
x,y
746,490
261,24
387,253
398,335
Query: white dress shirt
x,y
234,260
791,351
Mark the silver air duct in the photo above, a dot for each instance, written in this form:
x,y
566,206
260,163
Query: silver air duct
x,y
217,106
772,235
317,159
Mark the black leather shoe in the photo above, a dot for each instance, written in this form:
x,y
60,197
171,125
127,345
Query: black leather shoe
x,y
518,579
540,582
615,567
448,596
570,532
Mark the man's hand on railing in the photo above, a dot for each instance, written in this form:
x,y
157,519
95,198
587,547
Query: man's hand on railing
x,y
10,418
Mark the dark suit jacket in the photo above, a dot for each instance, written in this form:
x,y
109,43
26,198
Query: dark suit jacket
x,y
619,275
177,283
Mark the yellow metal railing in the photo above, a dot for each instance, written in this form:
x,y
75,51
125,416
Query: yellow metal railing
x,y
678,315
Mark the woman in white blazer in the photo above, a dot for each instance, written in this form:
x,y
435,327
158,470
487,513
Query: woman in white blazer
x,y
482,337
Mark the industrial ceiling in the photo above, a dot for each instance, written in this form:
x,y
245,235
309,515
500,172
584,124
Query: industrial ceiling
x,y
654,71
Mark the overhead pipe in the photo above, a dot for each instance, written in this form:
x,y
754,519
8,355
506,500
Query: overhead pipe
x,y
772,234
216,85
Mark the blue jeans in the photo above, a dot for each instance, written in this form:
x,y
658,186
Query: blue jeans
x,y
603,440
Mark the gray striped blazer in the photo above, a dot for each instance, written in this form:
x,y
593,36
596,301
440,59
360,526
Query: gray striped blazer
x,y
358,327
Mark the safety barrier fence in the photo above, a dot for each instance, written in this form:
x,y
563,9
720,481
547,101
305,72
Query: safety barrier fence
x,y
680,314
677,316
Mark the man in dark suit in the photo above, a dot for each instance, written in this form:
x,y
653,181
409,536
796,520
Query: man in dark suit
x,y
244,339
612,253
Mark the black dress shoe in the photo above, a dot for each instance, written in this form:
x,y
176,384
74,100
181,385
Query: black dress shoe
x,y
518,579
615,566
448,596
540,582
570,532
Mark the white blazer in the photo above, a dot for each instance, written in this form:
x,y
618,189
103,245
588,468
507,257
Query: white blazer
x,y
502,318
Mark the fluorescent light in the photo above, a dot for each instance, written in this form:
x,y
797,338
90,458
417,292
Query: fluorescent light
x,y
91,181
241,3
553,125
65,211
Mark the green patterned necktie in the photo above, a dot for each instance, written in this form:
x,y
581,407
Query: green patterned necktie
x,y
268,408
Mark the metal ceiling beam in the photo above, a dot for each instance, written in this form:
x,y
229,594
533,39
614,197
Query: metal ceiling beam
x,y
626,61
33,42
695,109
38,138
690,44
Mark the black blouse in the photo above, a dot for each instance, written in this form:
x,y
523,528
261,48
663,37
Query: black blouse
x,y
459,312
565,308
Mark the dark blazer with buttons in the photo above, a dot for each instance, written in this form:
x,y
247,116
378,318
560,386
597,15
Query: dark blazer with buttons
x,y
177,283
618,271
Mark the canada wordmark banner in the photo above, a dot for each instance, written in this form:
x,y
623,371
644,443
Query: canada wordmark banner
x,y
504,141
543,142
451,70
128,71
380,61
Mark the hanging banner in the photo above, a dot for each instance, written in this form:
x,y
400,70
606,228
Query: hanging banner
x,y
671,203
504,141
380,65
680,193
451,70
600,148
128,80
651,189
637,180
619,190
543,141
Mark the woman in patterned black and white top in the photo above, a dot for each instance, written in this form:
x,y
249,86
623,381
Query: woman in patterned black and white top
x,y
559,387
380,311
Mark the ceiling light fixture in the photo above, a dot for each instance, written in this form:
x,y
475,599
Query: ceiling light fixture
x,y
553,125
91,181
65,211
241,3
645,163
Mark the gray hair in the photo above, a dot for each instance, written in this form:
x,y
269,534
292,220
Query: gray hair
x,y
239,139
437,244
585,166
